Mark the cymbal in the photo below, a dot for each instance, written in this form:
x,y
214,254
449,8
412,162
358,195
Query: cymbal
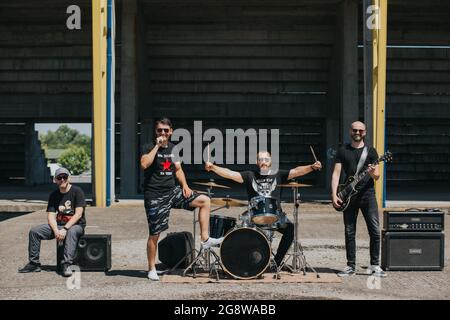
x,y
212,184
200,192
228,202
294,185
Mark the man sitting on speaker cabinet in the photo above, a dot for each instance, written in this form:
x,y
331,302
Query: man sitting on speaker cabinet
x,y
161,193
66,223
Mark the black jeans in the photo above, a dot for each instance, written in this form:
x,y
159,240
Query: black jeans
x,y
369,208
286,240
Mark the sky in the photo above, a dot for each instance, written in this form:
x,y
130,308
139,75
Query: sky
x,y
84,128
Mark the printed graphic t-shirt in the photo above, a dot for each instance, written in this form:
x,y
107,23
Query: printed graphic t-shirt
x,y
264,185
159,177
64,205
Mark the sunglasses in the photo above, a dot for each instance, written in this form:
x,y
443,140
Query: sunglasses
x,y
264,159
61,177
159,130
358,130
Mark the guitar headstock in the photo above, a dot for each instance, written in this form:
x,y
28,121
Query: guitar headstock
x,y
386,157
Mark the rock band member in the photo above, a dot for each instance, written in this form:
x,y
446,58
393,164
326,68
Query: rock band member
x,y
66,224
347,159
263,182
161,193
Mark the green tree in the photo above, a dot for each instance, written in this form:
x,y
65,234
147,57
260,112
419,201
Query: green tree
x,y
64,137
75,159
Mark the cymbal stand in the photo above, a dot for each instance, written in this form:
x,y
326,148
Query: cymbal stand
x,y
204,256
298,257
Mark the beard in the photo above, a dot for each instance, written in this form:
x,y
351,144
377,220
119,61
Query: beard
x,y
264,170
357,137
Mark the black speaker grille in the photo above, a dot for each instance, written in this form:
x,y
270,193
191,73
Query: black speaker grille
x,y
413,250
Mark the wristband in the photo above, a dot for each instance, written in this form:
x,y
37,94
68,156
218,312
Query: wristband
x,y
65,228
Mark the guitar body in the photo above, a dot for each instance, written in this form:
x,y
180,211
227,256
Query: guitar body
x,y
350,188
345,193
353,185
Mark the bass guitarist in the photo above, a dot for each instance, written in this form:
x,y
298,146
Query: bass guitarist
x,y
347,159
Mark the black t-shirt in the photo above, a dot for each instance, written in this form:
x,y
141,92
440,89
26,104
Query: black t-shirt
x,y
159,177
264,185
349,158
64,205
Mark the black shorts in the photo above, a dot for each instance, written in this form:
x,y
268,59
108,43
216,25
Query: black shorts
x,y
158,208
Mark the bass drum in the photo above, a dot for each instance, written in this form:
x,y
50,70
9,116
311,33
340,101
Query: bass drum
x,y
245,253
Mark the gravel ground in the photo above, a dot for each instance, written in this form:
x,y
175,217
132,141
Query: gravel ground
x,y
321,234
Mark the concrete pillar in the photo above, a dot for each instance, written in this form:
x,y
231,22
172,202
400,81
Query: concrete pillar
x,y
36,170
29,129
145,138
349,62
333,115
368,72
129,102
343,106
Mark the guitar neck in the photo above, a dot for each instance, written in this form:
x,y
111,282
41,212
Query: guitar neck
x,y
363,174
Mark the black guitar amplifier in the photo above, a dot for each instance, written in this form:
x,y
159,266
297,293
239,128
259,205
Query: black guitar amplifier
x,y
414,220
412,251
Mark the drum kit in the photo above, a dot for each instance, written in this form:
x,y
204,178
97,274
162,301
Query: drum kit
x,y
246,250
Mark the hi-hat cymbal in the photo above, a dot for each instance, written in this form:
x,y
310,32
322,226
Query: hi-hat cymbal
x,y
294,185
212,184
228,202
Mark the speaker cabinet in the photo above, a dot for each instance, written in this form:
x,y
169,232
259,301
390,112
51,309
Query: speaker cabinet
x,y
412,251
177,247
93,253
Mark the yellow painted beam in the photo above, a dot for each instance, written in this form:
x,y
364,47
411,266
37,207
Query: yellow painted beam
x,y
99,100
379,91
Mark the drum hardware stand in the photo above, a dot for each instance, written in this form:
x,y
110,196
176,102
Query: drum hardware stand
x,y
203,256
213,268
270,234
298,257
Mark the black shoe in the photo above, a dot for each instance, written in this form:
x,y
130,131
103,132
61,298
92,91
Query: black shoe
x,y
66,271
31,267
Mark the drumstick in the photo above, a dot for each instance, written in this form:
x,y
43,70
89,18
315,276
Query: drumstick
x,y
313,153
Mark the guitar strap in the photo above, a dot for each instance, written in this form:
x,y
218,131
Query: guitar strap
x,y
362,160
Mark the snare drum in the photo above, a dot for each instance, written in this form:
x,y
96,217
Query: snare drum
x,y
220,225
264,210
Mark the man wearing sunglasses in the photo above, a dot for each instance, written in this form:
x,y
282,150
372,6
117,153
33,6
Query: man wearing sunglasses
x,y
263,182
161,193
65,223
347,159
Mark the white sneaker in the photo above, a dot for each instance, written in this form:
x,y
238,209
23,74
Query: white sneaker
x,y
153,275
376,271
211,242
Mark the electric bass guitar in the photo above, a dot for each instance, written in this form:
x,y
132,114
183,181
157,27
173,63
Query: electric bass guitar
x,y
352,186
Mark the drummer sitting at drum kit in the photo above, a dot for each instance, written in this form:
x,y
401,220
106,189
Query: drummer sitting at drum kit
x,y
264,194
